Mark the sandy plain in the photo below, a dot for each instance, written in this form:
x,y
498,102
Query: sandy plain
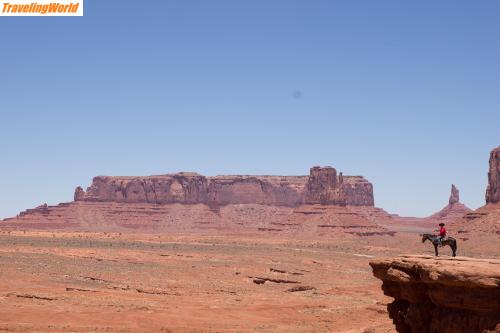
x,y
80,282
202,281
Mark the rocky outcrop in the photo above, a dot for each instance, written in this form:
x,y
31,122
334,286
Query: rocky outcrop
x,y
493,189
265,190
42,209
455,210
439,295
79,194
323,186
450,213
357,191
178,188
454,195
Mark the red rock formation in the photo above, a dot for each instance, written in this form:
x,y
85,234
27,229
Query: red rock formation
x,y
326,188
266,190
357,191
182,201
178,188
42,209
460,295
454,195
451,213
493,189
79,194
455,210
323,186
329,221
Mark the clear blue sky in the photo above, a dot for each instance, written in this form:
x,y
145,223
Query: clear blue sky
x,y
406,93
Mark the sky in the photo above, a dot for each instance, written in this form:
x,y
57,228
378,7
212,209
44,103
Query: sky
x,y
405,93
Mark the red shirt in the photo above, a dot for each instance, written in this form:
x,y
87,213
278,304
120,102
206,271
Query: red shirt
x,y
442,232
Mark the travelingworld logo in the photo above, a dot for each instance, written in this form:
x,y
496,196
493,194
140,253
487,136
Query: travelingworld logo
x,y
41,8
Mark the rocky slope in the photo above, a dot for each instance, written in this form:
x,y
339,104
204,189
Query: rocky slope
x,y
441,294
322,186
349,221
493,189
484,222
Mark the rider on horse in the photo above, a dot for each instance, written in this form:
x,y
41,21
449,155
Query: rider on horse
x,y
442,233
441,239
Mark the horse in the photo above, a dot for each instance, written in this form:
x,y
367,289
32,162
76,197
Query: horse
x,y
450,241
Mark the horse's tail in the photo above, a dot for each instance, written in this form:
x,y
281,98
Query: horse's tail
x,y
453,243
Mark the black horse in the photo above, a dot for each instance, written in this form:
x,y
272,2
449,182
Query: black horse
x,y
450,241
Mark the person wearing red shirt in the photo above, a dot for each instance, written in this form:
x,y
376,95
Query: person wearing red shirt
x,y
442,233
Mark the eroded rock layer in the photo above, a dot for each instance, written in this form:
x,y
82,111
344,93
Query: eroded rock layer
x,y
493,190
439,295
329,221
325,187
322,186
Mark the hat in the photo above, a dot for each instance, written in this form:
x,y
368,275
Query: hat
x,y
441,224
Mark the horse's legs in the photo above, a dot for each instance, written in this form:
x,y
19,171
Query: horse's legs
x,y
436,250
454,249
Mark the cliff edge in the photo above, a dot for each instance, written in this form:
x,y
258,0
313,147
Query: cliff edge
x,y
440,295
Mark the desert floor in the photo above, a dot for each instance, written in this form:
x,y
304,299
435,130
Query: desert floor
x,y
112,282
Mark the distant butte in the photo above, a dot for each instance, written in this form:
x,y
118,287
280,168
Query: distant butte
x,y
325,202
190,201
322,186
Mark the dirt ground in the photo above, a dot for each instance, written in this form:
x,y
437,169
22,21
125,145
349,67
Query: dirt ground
x,y
257,281
80,282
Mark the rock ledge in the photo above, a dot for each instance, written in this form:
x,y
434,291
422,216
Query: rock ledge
x,y
441,295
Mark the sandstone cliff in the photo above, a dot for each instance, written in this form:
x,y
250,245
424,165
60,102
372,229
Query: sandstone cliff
x,y
439,295
493,189
323,186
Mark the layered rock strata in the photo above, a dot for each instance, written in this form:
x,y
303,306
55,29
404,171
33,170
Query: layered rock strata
x,y
493,189
322,186
439,295
325,187
329,221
